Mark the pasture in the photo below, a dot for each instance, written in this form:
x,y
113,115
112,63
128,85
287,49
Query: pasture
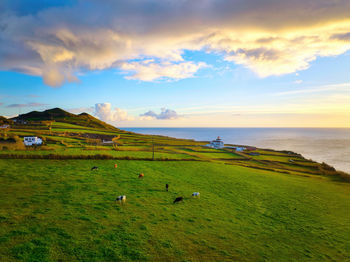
x,y
54,210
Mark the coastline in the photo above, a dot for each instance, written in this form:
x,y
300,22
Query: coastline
x,y
317,144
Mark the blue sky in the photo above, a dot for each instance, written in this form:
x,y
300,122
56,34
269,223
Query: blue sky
x,y
211,71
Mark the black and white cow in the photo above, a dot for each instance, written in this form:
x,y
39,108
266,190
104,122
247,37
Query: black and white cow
x,y
121,199
196,194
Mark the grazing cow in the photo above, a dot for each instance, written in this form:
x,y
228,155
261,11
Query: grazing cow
x,y
115,165
141,175
178,199
94,168
167,187
196,194
121,199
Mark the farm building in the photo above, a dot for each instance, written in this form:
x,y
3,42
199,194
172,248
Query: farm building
x,y
217,143
240,149
32,140
20,121
236,148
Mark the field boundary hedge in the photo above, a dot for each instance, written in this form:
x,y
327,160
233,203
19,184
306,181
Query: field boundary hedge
x,y
85,157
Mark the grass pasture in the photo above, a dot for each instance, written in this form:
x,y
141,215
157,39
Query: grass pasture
x,y
75,141
61,211
252,207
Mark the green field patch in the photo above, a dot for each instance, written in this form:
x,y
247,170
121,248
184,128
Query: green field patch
x,y
77,151
62,138
276,158
90,131
219,155
62,211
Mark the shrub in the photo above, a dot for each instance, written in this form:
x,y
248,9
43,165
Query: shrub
x,y
327,167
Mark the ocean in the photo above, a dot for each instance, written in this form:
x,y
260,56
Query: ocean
x,y
330,145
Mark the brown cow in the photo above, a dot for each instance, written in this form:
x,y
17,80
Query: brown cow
x,y
115,165
141,175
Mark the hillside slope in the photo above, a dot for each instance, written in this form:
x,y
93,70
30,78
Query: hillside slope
x,y
59,115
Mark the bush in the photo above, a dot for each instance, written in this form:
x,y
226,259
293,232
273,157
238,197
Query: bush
x,y
95,157
327,167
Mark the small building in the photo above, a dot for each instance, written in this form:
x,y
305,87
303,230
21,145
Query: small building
x,y
240,148
32,140
217,143
20,121
5,126
107,142
236,148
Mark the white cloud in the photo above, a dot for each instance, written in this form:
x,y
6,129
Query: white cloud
x,y
165,114
150,71
105,112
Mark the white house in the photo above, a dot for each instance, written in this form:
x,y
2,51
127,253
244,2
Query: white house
x,y
237,148
32,140
217,143
240,148
5,126
106,142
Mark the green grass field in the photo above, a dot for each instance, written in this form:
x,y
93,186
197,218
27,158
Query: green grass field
x,y
62,211
252,207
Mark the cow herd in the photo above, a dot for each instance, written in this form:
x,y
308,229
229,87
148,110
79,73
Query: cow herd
x,y
122,199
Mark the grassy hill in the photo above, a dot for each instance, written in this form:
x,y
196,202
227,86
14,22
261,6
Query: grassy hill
x,y
59,115
4,120
270,205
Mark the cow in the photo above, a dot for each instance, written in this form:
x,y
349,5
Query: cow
x,y
196,194
115,165
178,199
121,199
94,168
141,175
167,187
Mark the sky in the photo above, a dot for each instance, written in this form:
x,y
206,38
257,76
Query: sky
x,y
179,63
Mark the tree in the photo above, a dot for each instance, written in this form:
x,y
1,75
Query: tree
x,y
115,142
48,124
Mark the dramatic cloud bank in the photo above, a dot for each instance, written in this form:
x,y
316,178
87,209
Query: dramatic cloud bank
x,y
165,114
105,112
147,39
